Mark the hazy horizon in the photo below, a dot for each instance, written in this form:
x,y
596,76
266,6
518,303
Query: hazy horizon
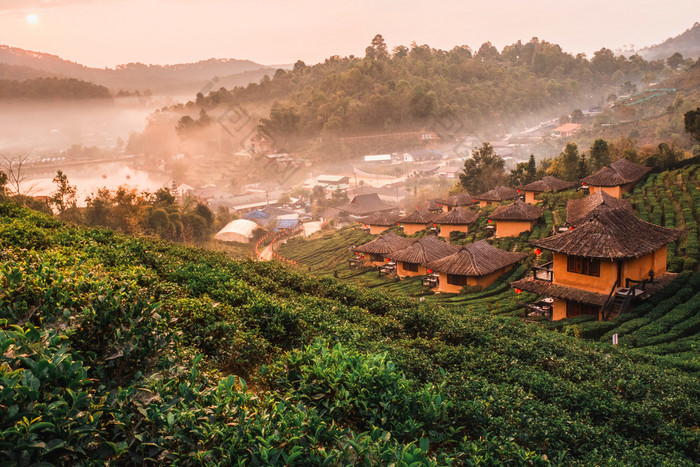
x,y
178,31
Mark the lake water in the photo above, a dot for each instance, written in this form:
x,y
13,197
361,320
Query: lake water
x,y
89,179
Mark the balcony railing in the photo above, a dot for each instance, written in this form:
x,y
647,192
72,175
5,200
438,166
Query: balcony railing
x,y
543,272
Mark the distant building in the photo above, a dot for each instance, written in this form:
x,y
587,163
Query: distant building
x,y
476,264
412,260
456,220
240,230
516,218
378,158
496,196
617,178
548,183
364,205
566,130
422,155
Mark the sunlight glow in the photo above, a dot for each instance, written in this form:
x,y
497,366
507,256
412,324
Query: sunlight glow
x,y
32,18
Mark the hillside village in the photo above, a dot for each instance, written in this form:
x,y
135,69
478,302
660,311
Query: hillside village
x,y
403,258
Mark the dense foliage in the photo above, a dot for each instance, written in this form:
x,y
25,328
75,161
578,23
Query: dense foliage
x,y
411,85
52,88
136,351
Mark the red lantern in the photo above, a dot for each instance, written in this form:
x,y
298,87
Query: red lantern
x,y
571,228
473,200
583,184
518,191
398,223
357,252
438,204
430,271
538,251
490,221
518,291
434,225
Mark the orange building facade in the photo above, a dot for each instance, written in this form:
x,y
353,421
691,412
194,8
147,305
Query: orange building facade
x,y
450,283
445,230
512,228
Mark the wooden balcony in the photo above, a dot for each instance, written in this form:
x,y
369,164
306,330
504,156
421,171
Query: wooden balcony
x,y
543,272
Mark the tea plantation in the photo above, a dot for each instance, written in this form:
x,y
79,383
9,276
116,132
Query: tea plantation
x,y
130,351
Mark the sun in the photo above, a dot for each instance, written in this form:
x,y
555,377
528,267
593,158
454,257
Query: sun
x,y
32,18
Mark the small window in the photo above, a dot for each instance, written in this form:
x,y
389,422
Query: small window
x,y
454,279
582,265
413,267
574,309
376,258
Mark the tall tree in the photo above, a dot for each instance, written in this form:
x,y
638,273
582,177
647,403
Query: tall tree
x,y
483,171
65,195
599,155
691,123
566,166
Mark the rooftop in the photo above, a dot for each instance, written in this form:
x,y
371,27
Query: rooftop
x,y
457,217
363,205
385,244
460,199
500,193
518,211
578,210
424,250
476,259
548,183
612,234
417,217
617,173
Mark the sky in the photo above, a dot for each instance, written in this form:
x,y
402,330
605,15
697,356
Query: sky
x,y
106,33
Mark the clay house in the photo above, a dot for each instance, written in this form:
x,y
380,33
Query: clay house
x,y
609,260
577,210
476,264
379,222
416,221
456,220
548,183
496,196
516,218
457,201
566,130
412,260
616,179
377,251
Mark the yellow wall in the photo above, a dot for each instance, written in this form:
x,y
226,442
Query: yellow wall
x,y
558,309
483,281
401,272
483,204
512,228
530,197
377,229
602,284
375,263
611,190
410,229
638,269
445,229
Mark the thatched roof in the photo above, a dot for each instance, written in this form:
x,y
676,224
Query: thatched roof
x,y
613,234
578,210
382,219
417,217
424,250
476,259
460,199
573,294
617,173
518,211
548,183
560,291
457,217
385,244
500,193
363,205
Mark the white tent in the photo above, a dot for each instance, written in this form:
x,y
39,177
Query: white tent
x,y
240,230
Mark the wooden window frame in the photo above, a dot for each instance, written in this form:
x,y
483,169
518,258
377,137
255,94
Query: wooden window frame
x,y
457,279
583,265
574,309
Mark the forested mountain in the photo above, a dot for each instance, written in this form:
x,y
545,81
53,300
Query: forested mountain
x,y
686,44
412,85
187,77
51,88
